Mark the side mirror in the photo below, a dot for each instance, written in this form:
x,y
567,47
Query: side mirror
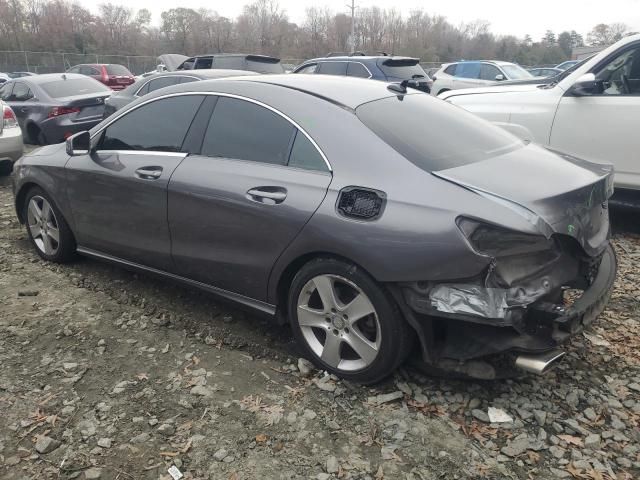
x,y
79,144
499,77
587,84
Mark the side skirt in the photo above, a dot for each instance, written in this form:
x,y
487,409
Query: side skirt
x,y
235,297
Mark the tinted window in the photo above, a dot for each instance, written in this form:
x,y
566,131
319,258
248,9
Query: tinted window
x,y
243,130
117,70
161,83
333,68
451,69
5,91
402,123
264,67
402,69
187,64
187,79
73,86
357,70
489,72
204,63
468,70
515,72
308,69
144,90
621,75
305,155
232,63
21,92
157,126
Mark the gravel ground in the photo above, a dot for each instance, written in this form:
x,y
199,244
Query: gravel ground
x,y
114,375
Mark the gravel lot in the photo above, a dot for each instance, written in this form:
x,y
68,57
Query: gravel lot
x,y
114,375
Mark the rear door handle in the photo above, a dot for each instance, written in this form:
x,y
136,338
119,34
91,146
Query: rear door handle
x,y
149,173
267,195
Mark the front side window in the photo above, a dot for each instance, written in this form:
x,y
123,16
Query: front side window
x,y
400,123
516,72
204,63
489,72
356,69
309,68
21,92
245,131
621,76
159,83
187,64
468,70
333,68
158,126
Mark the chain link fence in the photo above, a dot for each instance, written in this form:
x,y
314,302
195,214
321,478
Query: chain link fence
x,y
56,62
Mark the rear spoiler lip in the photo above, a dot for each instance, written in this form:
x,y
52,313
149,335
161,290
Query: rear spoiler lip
x,y
402,60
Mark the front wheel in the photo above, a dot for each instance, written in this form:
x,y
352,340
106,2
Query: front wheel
x,y
346,323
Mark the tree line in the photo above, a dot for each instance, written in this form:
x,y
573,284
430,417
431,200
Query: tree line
x,y
264,27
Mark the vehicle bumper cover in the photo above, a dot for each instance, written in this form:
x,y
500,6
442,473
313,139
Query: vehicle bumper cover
x,y
11,144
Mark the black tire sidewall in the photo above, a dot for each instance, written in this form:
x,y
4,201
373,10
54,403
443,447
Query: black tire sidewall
x,y
393,328
67,246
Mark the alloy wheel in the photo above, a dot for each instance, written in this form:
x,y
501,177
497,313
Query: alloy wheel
x,y
339,322
43,225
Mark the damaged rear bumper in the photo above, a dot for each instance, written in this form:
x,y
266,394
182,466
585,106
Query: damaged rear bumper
x,y
466,323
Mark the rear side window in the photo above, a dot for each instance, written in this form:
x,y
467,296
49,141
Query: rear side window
x,y
187,79
204,63
5,91
158,126
305,155
89,71
333,68
427,132
245,131
231,63
468,70
357,70
402,68
21,92
159,83
116,69
73,86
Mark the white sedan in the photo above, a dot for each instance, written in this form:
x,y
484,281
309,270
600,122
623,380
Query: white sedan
x,y
592,112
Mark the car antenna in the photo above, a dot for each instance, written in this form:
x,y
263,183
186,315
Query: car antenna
x,y
399,87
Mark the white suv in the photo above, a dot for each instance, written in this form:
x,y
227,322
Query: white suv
x,y
592,112
452,76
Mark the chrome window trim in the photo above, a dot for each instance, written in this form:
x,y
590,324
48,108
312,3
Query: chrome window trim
x,y
146,152
116,116
162,76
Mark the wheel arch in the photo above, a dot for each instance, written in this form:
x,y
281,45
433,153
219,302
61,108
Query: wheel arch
x,y
20,198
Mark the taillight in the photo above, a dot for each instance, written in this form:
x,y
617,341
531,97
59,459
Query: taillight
x,y
57,111
9,118
105,76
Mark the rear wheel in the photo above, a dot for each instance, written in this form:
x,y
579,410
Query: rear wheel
x,y
35,135
346,323
47,229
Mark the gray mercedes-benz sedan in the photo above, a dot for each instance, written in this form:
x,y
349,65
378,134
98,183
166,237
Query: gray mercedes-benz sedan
x,y
371,217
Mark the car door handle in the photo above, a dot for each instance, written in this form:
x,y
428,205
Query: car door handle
x,y
149,173
267,195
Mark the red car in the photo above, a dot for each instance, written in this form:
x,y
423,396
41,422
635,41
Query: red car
x,y
114,76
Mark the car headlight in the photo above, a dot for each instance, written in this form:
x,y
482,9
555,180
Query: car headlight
x,y
496,241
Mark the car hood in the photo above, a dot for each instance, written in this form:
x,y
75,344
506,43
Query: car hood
x,y
556,192
506,88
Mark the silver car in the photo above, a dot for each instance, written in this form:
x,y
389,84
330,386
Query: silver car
x,y
11,145
370,216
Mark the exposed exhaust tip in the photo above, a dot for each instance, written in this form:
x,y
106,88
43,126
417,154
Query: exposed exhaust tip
x,y
539,363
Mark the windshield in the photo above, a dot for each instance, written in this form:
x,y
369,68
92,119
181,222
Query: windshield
x,y
428,131
516,72
117,70
405,69
73,87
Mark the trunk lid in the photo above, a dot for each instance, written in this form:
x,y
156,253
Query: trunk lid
x,y
90,105
569,194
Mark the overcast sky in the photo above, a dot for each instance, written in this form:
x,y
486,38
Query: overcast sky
x,y
515,17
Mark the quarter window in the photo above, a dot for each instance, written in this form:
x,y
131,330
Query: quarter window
x,y
243,130
451,70
305,155
357,70
159,83
158,126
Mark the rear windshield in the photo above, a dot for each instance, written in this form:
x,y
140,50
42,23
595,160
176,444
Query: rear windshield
x,y
117,70
404,69
264,67
73,87
432,134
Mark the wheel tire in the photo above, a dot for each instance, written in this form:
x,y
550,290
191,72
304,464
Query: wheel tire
x,y
393,339
35,135
60,251
6,167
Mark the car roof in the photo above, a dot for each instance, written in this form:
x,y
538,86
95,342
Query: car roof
x,y
203,73
49,77
344,91
256,56
359,58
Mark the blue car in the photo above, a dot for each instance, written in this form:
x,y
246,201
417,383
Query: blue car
x,y
382,67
